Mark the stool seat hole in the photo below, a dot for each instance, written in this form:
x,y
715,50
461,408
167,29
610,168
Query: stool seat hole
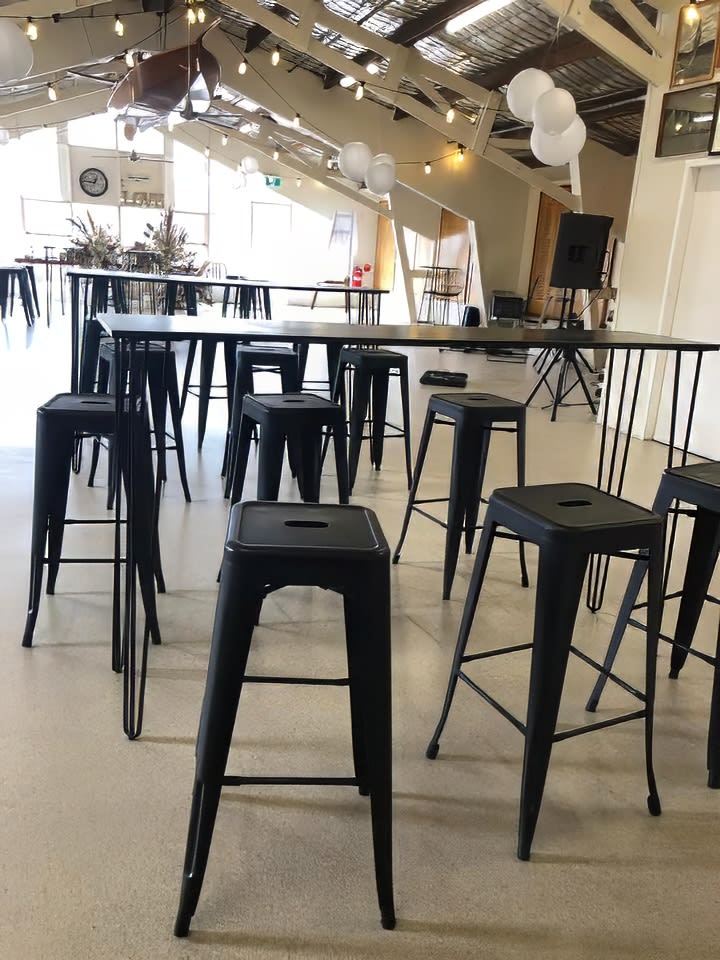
x,y
297,400
574,503
315,524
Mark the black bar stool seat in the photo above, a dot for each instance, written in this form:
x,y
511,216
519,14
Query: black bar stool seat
x,y
269,546
58,422
371,370
698,485
164,392
299,420
474,417
568,522
250,359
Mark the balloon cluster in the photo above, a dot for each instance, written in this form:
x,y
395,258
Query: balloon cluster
x,y
558,133
16,54
356,162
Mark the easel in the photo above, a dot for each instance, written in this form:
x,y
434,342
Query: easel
x,y
566,358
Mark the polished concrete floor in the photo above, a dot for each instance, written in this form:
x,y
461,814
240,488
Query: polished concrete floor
x,y
93,827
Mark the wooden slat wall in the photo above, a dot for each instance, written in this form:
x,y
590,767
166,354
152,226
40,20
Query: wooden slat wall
x,y
384,275
548,223
453,249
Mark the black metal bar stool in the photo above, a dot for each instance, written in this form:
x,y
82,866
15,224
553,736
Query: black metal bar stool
x,y
269,546
370,371
699,485
253,359
58,422
473,416
163,388
298,419
568,522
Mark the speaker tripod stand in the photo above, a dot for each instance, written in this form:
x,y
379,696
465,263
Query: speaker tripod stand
x,y
567,360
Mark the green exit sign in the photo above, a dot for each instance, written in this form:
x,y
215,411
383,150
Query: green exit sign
x,y
273,181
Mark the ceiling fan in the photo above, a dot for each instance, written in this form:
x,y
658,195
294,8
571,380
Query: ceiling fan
x,y
134,156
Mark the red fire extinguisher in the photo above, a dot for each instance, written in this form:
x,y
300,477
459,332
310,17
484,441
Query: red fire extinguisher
x,y
357,276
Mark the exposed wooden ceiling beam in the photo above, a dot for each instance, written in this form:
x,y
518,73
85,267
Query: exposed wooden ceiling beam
x,y
569,48
255,37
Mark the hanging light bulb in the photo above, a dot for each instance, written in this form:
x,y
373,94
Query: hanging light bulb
x,y
225,139
201,15
170,123
460,153
206,151
428,167
275,57
360,91
296,120
298,182
191,18
119,27
242,67
129,61
347,81
373,68
330,163
450,115
276,154
691,14
52,93
31,30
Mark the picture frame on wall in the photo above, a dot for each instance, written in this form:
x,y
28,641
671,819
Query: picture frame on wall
x,y
696,43
687,121
714,146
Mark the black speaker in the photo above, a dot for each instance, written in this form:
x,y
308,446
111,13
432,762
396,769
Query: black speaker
x,y
580,251
471,317
156,6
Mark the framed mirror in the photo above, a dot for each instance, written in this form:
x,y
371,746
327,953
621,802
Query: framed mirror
x,y
687,121
696,42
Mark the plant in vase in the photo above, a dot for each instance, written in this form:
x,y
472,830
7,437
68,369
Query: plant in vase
x,y
169,241
94,245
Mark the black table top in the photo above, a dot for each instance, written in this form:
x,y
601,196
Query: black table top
x,y
147,327
91,273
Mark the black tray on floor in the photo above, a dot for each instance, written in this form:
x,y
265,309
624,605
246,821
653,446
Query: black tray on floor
x,y
444,378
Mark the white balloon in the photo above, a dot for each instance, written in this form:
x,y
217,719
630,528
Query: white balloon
x,y
524,90
556,151
387,158
554,111
353,160
250,165
16,53
380,176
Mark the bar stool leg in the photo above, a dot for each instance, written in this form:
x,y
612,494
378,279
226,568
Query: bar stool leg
x,y
341,460
354,655
713,747
207,366
379,388
419,463
466,465
555,615
702,558
358,412
187,374
57,503
239,466
520,456
654,618
158,407
270,460
171,385
471,602
405,400
473,507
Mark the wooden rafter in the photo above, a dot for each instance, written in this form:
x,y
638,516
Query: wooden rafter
x,y
568,48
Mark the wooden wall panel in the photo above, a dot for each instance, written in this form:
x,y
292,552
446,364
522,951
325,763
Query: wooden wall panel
x,y
548,223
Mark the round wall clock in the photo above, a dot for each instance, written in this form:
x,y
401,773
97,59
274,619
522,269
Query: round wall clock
x,y
93,182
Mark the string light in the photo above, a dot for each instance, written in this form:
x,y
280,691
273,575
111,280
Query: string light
x,y
296,121
450,115
330,163
31,30
170,123
298,182
276,154
52,93
242,67
360,92
373,68
460,153
347,81
191,18
691,14
129,59
225,139
428,166
201,15
275,57
119,27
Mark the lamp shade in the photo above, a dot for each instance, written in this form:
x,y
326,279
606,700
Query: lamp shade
x,y
353,160
554,151
16,55
554,111
250,165
380,176
525,89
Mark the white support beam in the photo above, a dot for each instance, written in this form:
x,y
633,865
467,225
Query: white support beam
x,y
531,177
46,8
49,114
641,26
27,109
578,14
509,144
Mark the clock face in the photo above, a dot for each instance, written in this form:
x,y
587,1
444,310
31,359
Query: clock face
x,y
93,182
